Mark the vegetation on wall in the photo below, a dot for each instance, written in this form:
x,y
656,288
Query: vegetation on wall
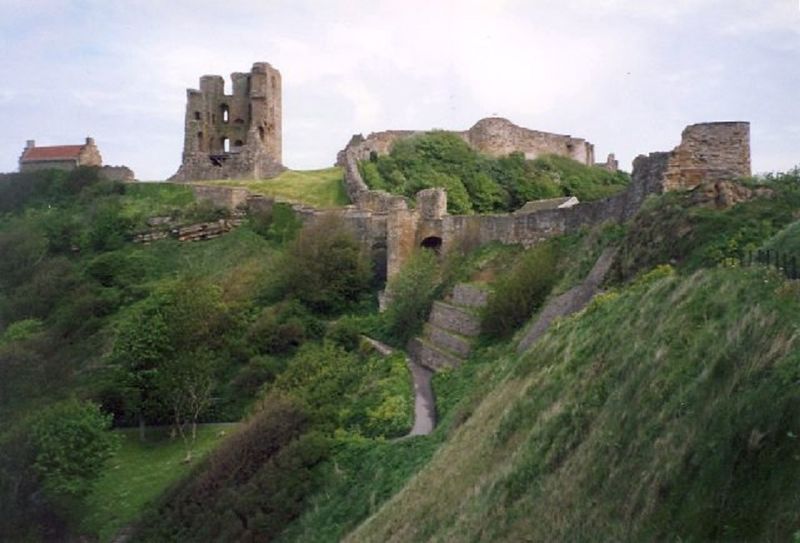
x,y
482,184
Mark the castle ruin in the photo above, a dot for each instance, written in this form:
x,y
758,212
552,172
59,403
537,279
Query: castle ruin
x,y
237,135
493,136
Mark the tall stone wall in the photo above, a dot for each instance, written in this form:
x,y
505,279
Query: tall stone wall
x,y
709,151
237,135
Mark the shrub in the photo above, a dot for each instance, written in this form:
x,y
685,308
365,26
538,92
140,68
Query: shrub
x,y
481,183
411,292
518,293
72,443
325,267
263,473
282,327
346,332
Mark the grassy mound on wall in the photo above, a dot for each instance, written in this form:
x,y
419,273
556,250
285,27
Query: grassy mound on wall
x,y
483,184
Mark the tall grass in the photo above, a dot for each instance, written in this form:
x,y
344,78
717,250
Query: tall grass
x,y
666,412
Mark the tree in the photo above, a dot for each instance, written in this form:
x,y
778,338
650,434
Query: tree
x,y
163,343
325,268
71,442
411,294
186,382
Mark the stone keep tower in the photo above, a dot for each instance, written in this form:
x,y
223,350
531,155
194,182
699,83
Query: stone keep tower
x,y
237,135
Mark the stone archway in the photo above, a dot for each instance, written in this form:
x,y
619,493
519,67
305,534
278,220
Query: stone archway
x,y
433,243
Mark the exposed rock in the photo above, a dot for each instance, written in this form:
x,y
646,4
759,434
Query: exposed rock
x,y
725,194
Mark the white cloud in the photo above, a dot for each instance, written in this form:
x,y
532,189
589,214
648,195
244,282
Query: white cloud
x,y
624,73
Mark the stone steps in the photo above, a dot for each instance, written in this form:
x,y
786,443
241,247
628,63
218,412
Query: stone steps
x,y
455,343
467,295
454,318
426,354
452,325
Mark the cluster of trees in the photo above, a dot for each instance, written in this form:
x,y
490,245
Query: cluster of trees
x,y
166,334
482,184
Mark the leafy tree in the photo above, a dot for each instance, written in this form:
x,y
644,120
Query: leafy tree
x,y
325,267
185,382
72,442
480,183
411,293
165,338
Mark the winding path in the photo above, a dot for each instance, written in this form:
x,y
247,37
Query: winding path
x,y
424,401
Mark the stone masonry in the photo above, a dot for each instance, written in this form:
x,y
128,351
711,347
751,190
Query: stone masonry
x,y
237,135
452,326
62,157
391,230
492,136
708,151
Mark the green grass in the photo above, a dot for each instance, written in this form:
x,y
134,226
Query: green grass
x,y
138,474
667,411
154,199
319,188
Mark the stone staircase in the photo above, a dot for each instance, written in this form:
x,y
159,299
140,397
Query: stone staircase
x,y
452,325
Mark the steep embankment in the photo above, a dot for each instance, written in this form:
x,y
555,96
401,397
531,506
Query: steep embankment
x,y
667,411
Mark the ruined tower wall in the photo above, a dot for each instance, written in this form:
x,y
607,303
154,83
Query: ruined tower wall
x,y
235,135
709,151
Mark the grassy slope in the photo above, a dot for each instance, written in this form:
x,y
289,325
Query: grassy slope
x,y
556,452
138,474
319,188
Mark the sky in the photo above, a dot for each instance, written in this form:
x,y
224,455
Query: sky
x,y
627,75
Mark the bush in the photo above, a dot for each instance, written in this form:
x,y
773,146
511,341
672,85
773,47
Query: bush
x,y
519,292
283,327
72,443
411,293
264,473
481,183
346,332
325,267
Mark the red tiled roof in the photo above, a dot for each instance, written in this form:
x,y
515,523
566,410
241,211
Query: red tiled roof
x,y
56,152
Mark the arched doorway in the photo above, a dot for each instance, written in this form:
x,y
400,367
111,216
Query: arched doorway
x,y
433,243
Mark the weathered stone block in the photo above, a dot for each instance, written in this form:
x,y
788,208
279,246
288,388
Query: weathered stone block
x,y
448,341
455,319
469,295
427,355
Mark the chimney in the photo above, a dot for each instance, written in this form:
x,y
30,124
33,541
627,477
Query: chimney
x,y
89,141
30,144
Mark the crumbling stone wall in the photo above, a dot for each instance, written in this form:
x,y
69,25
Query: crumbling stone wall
x,y
709,152
493,136
118,173
391,230
237,135
496,136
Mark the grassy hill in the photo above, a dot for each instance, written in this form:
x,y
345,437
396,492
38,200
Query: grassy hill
x,y
667,411
319,188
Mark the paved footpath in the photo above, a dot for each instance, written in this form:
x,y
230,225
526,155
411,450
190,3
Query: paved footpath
x,y
424,401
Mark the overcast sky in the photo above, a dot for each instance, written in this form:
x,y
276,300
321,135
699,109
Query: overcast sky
x,y
627,75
